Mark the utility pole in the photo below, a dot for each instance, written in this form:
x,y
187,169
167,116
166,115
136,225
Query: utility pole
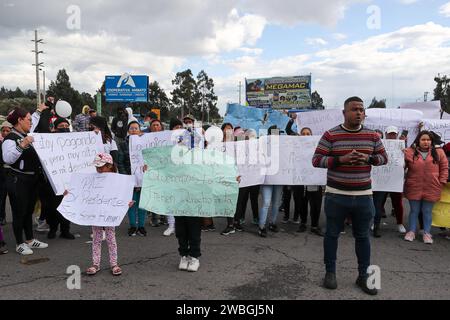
x,y
44,91
240,89
37,64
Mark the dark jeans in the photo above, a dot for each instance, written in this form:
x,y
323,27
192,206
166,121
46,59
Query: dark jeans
x,y
3,194
315,204
362,210
22,196
188,232
241,206
49,204
300,203
379,199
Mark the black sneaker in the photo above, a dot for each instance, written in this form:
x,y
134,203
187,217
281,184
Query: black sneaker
x,y
238,227
285,220
67,235
362,283
317,231
376,231
302,228
142,232
228,230
330,281
132,232
51,234
211,227
273,227
262,232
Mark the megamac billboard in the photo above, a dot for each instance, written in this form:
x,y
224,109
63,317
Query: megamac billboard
x,y
279,92
126,88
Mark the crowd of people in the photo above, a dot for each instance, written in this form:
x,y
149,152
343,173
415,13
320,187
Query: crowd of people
x,y
348,151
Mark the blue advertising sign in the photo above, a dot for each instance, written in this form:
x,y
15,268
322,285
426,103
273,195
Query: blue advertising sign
x,y
126,88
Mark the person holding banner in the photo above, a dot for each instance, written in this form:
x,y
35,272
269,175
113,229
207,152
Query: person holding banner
x,y
104,164
271,194
124,167
22,174
99,125
349,151
427,173
52,201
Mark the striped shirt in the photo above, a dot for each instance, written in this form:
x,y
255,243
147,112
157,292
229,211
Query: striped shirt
x,y
338,142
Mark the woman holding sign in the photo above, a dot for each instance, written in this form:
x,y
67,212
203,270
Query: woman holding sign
x,y
125,168
22,176
427,173
99,125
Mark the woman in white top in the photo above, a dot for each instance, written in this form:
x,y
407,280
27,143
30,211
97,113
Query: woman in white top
x,y
99,125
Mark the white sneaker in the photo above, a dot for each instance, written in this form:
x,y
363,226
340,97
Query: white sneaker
x,y
42,226
184,262
169,231
194,264
401,228
35,244
24,250
371,228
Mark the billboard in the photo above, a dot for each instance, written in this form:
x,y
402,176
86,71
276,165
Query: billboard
x,y
279,92
126,88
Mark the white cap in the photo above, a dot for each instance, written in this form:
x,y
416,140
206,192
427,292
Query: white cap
x,y
392,129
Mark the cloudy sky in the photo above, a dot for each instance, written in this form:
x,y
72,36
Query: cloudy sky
x,y
388,48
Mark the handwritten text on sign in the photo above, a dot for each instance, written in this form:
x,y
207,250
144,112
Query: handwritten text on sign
x,y
63,154
391,176
196,184
98,199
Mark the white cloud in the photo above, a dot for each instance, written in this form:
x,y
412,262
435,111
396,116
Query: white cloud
x,y
445,10
339,36
316,42
408,1
399,65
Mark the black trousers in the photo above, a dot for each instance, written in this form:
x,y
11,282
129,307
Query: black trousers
x,y
49,204
251,192
3,194
188,232
300,203
22,195
315,205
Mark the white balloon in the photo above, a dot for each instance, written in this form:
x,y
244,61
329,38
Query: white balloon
x,y
63,109
214,135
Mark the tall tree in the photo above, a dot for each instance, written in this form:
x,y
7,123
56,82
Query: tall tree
x,y
158,99
62,89
208,99
381,104
185,95
442,92
316,101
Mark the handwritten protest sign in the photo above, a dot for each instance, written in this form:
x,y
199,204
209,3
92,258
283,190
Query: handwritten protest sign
x,y
183,182
320,121
430,109
98,199
157,139
390,177
250,165
441,210
402,119
294,156
441,127
63,154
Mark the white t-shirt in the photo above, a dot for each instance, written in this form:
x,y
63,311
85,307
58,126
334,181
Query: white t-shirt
x,y
110,146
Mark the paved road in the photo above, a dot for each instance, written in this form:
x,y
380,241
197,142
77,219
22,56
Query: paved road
x,y
286,265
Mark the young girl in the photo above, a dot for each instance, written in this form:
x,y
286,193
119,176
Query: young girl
x,y
104,164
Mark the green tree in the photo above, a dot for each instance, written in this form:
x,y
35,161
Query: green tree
x,y
157,99
207,97
185,95
62,89
442,92
381,104
316,101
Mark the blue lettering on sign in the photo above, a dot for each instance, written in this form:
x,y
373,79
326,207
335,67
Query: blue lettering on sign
x,y
126,88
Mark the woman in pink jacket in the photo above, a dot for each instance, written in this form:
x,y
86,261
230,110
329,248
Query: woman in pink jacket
x,y
427,172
